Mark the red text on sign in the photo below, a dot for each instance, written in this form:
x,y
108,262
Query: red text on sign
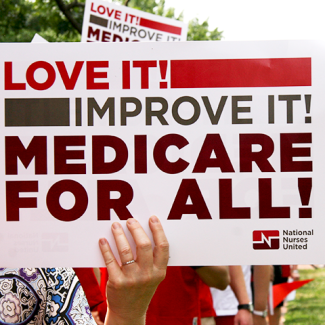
x,y
95,70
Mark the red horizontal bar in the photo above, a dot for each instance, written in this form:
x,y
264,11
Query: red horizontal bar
x,y
241,73
160,26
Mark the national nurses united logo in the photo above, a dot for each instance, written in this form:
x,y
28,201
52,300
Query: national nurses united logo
x,y
266,239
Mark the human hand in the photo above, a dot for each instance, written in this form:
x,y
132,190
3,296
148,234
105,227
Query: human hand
x,y
243,317
258,320
96,317
130,287
295,275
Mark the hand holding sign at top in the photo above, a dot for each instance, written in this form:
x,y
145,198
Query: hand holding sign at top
x,y
131,286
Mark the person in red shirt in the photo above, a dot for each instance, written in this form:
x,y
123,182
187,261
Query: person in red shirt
x,y
177,299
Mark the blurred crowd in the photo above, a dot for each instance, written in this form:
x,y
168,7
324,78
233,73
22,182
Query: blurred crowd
x,y
206,295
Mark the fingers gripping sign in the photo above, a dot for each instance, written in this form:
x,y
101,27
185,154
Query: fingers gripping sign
x,y
122,244
161,249
131,286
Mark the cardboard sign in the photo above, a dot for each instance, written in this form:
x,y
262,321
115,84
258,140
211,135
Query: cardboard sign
x,y
224,142
109,22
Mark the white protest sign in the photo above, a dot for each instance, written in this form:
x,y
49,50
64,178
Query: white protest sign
x,y
105,21
222,141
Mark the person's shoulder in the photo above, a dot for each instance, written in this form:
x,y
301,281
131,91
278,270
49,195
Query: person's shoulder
x,y
27,274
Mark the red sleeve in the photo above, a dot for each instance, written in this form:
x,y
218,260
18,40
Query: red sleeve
x,y
103,280
286,271
206,303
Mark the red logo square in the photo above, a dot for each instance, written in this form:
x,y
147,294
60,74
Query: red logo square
x,y
266,239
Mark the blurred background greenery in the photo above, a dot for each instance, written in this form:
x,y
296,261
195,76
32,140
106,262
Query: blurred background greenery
x,y
61,20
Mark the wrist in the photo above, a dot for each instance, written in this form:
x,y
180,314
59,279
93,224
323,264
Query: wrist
x,y
114,319
248,306
262,313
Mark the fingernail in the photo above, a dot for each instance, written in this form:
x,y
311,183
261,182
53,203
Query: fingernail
x,y
116,225
154,219
103,241
131,220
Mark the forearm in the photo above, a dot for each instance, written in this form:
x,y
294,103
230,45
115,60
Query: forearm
x,y
214,276
237,284
262,275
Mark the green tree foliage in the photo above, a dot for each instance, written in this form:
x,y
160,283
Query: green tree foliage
x,y
200,32
13,19
153,7
61,20
21,19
